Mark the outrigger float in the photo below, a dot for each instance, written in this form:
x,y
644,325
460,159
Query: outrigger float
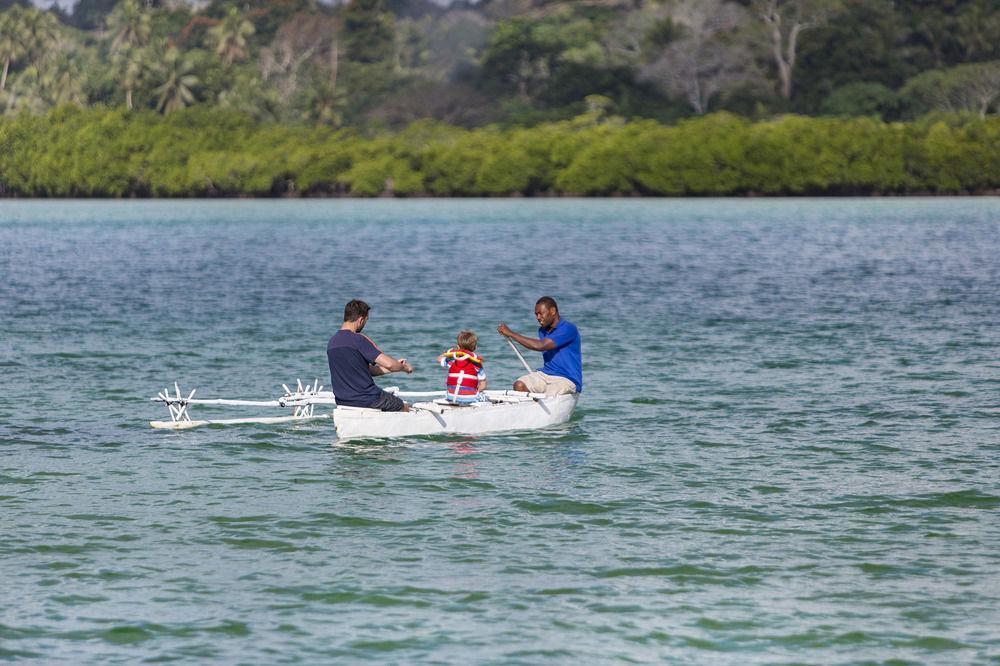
x,y
501,410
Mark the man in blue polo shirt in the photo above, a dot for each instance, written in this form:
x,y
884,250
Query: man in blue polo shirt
x,y
355,359
559,342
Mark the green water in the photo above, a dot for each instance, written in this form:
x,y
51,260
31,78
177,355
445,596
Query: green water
x,y
787,450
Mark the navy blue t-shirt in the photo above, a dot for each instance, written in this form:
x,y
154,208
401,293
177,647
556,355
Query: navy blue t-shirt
x,y
351,355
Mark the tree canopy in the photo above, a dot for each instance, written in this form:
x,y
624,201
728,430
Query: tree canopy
x,y
385,63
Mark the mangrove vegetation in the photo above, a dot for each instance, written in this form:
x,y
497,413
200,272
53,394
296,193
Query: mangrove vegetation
x,y
73,152
498,97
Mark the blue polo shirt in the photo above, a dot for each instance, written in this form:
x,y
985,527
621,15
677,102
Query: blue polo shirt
x,y
565,360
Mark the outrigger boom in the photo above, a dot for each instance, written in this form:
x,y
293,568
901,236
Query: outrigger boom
x,y
302,401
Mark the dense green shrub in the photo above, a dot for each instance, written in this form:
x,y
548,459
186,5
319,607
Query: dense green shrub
x,y
74,152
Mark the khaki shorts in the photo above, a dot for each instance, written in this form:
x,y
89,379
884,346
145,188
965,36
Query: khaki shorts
x,y
539,382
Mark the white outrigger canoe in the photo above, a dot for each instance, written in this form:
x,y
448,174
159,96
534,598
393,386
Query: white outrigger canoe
x,y
501,410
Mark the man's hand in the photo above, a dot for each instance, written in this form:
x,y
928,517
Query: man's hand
x,y
528,343
407,368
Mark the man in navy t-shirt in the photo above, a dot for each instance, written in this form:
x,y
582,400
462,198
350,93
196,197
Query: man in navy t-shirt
x,y
559,342
354,360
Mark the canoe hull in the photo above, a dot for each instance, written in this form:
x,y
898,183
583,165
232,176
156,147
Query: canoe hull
x,y
354,422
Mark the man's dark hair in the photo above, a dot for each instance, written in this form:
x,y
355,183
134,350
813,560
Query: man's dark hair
x,y
548,302
355,310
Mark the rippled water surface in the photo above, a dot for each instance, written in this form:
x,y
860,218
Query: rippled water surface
x,y
788,449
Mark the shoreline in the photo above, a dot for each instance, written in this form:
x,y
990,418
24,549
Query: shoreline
x,y
515,196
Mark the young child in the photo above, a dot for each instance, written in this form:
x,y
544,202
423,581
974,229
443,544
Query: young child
x,y
466,376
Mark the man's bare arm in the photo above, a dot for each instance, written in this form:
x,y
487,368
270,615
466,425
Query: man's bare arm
x,y
530,343
384,364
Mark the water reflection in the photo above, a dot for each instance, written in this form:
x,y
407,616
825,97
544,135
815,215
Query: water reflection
x,y
363,459
465,464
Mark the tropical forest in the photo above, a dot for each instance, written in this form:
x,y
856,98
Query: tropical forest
x,y
174,98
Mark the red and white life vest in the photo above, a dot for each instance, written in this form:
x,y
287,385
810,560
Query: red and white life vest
x,y
463,372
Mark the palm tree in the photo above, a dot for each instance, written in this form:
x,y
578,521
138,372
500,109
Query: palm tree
x,y
59,82
25,94
325,104
26,33
13,40
129,25
130,63
176,90
40,30
230,36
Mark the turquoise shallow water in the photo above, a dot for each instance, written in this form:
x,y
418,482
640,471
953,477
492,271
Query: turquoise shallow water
x,y
788,450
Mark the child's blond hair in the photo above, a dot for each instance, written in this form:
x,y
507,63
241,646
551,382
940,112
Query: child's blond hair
x,y
467,340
